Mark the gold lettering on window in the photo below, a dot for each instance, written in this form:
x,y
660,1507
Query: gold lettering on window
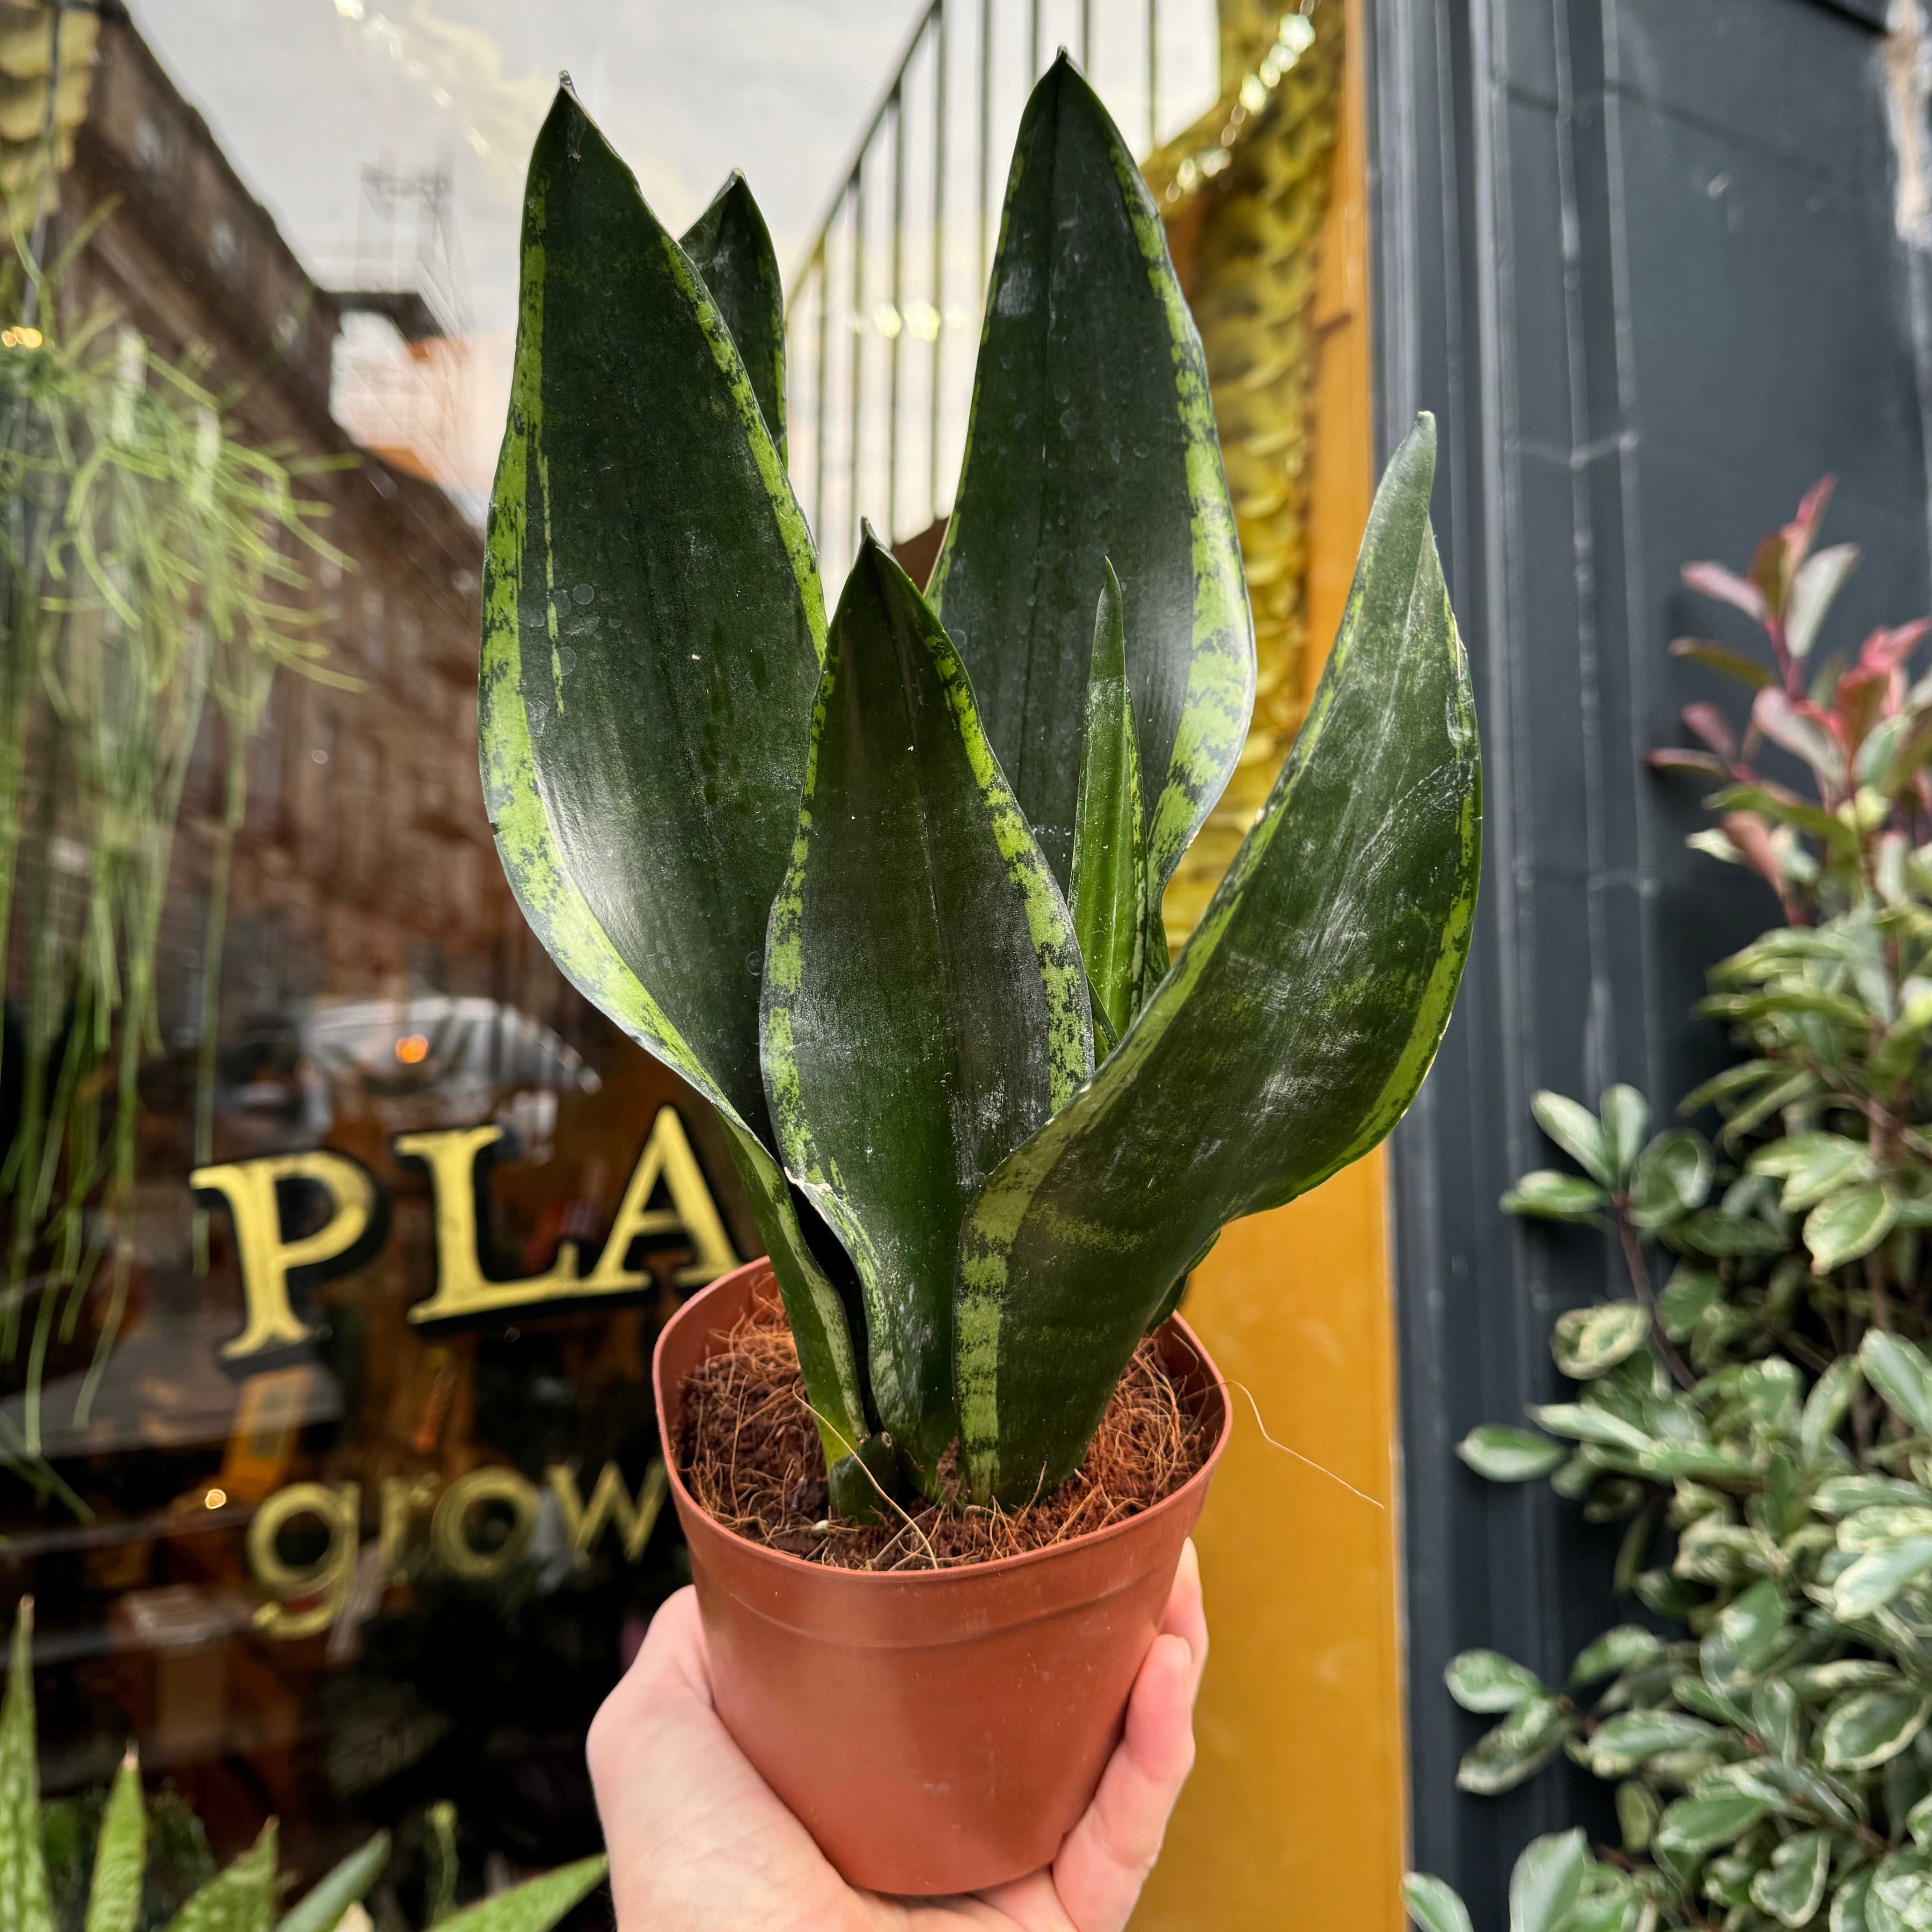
x,y
267,1257
610,1501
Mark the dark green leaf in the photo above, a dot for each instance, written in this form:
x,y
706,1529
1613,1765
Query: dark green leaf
x,y
1108,891
1713,1231
924,1008
1792,1887
1092,435
1506,1455
1433,1906
1550,1196
1869,1726
1671,1179
1485,1680
1289,1038
1687,1294
1846,1225
120,1857
1547,1881
652,624
322,1905
1616,1650
1589,1341
731,248
1578,1132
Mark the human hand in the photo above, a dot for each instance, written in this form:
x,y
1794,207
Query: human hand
x,y
699,1842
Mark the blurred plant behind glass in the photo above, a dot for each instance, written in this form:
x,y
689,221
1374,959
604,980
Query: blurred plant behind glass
x,y
153,580
1757,1409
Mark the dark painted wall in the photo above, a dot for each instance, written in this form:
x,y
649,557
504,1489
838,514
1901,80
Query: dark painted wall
x,y
1640,257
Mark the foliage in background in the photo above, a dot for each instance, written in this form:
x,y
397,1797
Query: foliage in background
x,y
43,1889
1760,1421
152,568
887,891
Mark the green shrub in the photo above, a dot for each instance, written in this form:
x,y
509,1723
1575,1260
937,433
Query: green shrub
x,y
1761,1418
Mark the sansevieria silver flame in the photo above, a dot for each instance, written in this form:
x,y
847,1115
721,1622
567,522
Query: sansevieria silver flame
x,y
886,889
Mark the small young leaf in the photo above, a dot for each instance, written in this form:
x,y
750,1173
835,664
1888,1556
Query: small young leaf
x,y
1900,1373
1506,1455
1107,890
1433,1906
1687,1295
1726,662
1753,1624
1587,1342
1848,1224
1551,1196
1878,1577
239,1898
536,1905
1826,1407
1792,1887
1576,1130
120,1855
1774,1718
1694,1827
1634,1736
731,247
1869,1727
23,1871
1819,580
1518,1748
1671,1178
1486,1681
1637,1811
1626,1115
1616,1650
1582,1422
1713,1231
1811,1166
1547,1881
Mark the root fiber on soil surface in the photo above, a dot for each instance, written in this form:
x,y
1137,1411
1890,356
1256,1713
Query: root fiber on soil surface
x,y
749,1454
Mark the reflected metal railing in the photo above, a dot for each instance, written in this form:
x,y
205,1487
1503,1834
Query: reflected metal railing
x,y
882,321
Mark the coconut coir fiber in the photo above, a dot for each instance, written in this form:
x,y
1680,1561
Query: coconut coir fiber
x,y
750,1455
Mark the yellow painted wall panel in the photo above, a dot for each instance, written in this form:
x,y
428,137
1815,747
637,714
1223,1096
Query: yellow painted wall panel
x,y
1295,1813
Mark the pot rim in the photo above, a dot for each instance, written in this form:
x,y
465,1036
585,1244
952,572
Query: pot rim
x,y
1215,1388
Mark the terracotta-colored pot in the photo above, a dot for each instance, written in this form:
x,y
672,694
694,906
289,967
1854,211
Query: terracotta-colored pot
x,y
936,1731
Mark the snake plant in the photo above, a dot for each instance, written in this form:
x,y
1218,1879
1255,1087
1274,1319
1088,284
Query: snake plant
x,y
886,889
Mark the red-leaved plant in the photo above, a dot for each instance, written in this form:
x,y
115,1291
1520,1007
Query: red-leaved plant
x,y
1865,733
